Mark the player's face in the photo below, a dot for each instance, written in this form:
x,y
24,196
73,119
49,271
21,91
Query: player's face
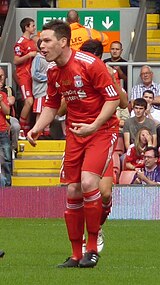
x,y
115,51
139,111
51,47
32,28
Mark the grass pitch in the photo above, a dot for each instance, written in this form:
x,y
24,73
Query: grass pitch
x,y
34,247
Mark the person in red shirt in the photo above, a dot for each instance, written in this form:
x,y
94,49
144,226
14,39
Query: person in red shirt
x,y
91,124
25,50
5,144
135,153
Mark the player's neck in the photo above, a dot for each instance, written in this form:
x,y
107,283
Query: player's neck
x,y
64,58
27,35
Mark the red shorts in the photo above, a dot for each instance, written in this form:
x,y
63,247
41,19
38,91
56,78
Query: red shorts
x,y
92,154
26,87
38,104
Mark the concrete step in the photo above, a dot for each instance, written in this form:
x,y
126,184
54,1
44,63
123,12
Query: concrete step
x,y
35,181
153,49
152,26
36,164
43,145
40,155
153,34
36,172
153,18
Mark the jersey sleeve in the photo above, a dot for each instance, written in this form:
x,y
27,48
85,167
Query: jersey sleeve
x,y
102,81
53,98
130,154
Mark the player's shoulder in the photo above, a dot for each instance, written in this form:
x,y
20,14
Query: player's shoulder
x,y
84,57
21,40
51,65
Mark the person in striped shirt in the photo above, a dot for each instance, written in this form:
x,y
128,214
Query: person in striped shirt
x,y
147,83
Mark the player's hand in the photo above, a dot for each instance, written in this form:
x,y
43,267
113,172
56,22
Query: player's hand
x,y
82,130
32,136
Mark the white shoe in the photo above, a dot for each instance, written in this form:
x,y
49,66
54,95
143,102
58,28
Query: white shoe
x,y
13,154
100,240
21,135
84,245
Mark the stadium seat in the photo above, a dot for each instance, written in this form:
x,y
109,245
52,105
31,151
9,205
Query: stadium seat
x,y
120,149
116,167
126,176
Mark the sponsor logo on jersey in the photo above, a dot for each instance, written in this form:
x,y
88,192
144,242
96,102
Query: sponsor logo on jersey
x,y
78,81
81,94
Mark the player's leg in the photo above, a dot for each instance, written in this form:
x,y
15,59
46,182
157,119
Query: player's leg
x,y
74,214
27,97
92,216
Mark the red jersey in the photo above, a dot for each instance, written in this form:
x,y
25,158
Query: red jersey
x,y
132,157
85,84
21,48
3,122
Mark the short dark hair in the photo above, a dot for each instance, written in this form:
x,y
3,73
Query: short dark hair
x,y
25,23
116,42
155,150
60,28
140,102
39,44
148,91
93,46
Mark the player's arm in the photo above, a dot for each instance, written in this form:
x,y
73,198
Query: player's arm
x,y
21,59
126,140
3,106
46,117
107,111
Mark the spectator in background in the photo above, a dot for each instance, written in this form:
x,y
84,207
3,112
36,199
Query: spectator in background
x,y
147,83
13,121
80,34
135,154
151,173
5,144
116,51
25,50
132,125
39,84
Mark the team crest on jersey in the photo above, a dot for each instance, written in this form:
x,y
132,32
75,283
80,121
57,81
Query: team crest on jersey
x,y
78,81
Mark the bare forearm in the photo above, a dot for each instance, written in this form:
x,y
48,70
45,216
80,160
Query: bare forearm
x,y
107,111
5,109
45,119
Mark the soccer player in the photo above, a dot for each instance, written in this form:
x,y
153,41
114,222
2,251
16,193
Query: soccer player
x,y
25,50
91,124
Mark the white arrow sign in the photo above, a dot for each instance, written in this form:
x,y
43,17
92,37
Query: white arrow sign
x,y
107,24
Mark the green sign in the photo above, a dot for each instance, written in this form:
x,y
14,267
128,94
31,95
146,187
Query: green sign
x,y
95,19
